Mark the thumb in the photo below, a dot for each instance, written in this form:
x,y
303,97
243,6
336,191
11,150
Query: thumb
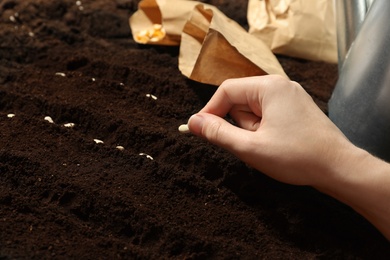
x,y
218,131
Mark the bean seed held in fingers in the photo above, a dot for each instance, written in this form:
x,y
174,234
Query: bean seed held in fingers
x,y
184,129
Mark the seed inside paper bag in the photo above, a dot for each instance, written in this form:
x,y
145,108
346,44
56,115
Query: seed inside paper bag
x,y
154,34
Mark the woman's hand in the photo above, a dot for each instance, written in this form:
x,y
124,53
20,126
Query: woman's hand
x,y
280,130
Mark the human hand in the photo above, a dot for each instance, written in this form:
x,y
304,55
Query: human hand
x,y
280,130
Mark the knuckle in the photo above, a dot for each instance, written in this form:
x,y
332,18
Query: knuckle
x,y
278,78
283,82
227,82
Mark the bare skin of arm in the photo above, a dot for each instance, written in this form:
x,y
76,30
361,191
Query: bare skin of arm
x,y
281,132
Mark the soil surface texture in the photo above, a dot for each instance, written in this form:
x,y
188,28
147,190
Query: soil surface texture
x,y
65,195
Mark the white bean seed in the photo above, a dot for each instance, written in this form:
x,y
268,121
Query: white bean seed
x,y
31,34
60,74
147,156
120,148
184,129
49,119
151,96
98,141
12,18
69,125
78,3
10,115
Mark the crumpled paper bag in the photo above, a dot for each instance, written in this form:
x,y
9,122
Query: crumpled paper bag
x,y
298,28
212,46
215,48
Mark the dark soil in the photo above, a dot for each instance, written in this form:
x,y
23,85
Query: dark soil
x,y
64,196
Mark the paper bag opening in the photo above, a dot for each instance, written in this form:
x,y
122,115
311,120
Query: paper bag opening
x,y
215,48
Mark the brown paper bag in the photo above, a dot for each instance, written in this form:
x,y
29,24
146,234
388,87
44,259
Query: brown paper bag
x,y
212,46
298,28
215,48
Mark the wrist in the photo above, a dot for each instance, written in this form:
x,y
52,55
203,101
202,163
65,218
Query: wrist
x,y
361,181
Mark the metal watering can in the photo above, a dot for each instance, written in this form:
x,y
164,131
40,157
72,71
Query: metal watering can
x,y
360,103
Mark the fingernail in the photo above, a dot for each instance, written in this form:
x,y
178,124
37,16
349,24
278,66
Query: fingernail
x,y
195,123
